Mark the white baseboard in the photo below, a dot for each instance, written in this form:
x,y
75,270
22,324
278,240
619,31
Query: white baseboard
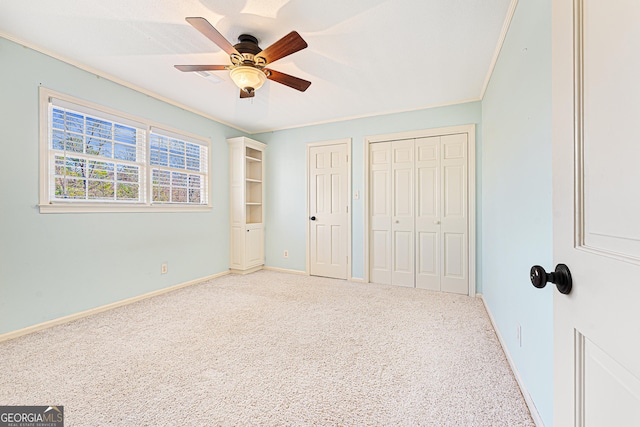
x,y
243,272
525,393
284,270
357,280
60,320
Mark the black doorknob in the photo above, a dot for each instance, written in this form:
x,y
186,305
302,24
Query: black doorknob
x,y
312,218
561,277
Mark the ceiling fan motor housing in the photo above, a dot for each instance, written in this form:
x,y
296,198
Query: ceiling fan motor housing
x,y
247,44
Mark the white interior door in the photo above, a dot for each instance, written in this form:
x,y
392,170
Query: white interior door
x,y
328,209
597,211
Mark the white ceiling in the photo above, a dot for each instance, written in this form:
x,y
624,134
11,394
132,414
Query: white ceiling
x,y
365,57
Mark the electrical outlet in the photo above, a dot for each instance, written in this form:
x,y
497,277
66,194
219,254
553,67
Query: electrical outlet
x,y
286,254
164,268
519,334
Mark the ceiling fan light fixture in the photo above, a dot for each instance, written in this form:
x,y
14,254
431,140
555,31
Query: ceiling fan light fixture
x,y
248,78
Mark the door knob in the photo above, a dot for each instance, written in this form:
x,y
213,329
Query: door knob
x,y
312,218
561,277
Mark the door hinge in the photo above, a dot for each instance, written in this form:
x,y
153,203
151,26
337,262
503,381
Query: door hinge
x,y
347,209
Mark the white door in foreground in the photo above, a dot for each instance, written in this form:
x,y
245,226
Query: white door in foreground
x,y
596,178
328,170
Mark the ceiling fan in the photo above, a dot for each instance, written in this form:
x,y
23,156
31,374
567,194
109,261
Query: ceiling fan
x,y
248,60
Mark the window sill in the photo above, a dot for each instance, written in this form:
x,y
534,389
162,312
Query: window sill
x,y
104,208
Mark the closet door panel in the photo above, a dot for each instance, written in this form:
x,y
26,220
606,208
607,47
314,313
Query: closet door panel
x,y
380,249
454,222
402,225
427,195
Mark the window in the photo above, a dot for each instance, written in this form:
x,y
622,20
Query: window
x,y
94,159
177,169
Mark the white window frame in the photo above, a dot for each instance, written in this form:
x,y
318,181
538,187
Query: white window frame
x,y
47,205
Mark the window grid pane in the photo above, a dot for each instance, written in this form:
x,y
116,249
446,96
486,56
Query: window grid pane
x,y
77,140
170,156
96,159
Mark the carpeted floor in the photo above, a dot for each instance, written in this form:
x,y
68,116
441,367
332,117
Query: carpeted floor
x,y
272,349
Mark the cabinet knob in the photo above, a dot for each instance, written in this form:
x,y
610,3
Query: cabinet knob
x,y
436,222
312,218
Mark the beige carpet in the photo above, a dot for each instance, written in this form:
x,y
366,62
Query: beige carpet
x,y
272,349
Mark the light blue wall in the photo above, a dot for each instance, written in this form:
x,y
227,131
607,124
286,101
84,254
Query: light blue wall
x,y
517,197
46,273
286,194
52,265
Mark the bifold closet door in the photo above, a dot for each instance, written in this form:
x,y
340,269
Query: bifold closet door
x,y
419,213
441,214
392,213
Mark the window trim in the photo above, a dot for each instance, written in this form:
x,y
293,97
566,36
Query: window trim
x,y
63,206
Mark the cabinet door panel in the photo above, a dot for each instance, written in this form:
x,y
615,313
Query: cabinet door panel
x,y
254,246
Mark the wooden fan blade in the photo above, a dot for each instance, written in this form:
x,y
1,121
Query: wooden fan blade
x,y
244,94
287,45
200,67
212,34
287,80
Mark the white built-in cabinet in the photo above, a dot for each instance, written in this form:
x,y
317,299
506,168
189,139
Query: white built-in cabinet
x,y
246,194
419,212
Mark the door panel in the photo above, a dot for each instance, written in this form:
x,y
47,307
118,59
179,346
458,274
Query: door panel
x,y
403,258
428,195
454,195
380,257
402,225
610,221
328,201
606,386
428,250
402,199
380,199
237,249
428,191
453,255
595,176
254,245
320,194
455,213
